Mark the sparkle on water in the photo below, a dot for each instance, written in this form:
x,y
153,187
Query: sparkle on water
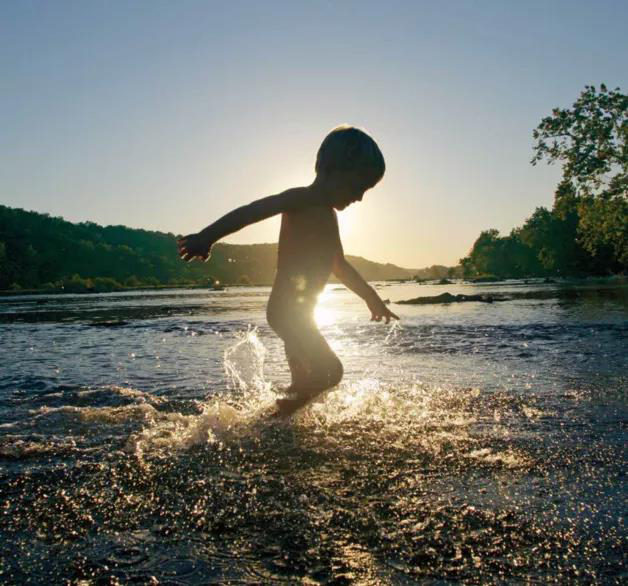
x,y
468,443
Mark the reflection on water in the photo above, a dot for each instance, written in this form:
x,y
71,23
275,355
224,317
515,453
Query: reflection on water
x,y
473,443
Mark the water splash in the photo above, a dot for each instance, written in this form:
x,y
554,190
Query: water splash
x,y
393,332
434,420
249,398
244,365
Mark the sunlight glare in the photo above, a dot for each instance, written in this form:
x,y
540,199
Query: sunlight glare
x,y
323,314
346,221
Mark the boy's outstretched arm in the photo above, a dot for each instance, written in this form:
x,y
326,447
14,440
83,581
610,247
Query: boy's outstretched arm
x,y
354,281
198,245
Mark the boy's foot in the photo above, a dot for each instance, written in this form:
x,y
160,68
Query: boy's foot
x,y
291,391
287,406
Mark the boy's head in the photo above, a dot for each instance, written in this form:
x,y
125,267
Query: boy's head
x,y
352,160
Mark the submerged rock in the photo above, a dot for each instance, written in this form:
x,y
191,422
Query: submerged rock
x,y
564,294
449,298
111,323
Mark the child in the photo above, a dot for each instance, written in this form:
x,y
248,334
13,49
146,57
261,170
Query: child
x,y
348,163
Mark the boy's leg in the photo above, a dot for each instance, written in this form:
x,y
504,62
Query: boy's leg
x,y
298,370
316,366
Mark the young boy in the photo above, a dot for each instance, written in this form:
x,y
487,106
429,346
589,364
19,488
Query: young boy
x,y
348,163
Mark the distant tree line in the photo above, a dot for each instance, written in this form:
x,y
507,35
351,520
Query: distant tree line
x,y
586,231
42,252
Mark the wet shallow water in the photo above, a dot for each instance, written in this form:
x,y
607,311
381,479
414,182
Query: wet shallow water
x,y
472,442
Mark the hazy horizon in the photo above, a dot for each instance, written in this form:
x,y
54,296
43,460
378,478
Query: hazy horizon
x,y
165,116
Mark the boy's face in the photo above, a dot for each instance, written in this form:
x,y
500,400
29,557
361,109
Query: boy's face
x,y
349,187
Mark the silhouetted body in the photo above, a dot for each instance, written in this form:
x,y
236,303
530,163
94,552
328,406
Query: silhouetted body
x,y
308,245
348,163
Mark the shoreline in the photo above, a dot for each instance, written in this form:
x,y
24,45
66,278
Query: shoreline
x,y
611,280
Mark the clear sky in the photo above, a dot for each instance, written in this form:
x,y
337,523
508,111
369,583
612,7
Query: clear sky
x,y
166,115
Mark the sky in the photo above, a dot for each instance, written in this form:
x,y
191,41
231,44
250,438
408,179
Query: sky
x,y
167,115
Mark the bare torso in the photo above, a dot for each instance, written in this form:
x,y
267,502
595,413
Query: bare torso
x,y
308,243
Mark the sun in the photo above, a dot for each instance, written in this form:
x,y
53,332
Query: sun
x,y
323,314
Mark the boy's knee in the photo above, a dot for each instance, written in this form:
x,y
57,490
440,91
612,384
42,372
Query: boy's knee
x,y
335,373
327,375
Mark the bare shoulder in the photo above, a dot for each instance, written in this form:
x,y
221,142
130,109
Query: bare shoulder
x,y
297,198
295,192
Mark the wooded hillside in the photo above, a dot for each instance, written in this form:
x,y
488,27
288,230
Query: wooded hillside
x,y
40,251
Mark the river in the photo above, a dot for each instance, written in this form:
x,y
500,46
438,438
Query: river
x,y
481,442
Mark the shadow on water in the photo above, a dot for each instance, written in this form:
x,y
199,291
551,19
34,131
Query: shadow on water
x,y
374,484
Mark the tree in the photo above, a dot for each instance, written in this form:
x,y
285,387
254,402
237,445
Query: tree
x,y
489,256
590,139
604,230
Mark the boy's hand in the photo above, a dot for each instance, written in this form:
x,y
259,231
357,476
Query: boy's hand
x,y
194,246
379,310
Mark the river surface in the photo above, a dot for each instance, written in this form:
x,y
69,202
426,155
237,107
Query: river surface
x,y
470,442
